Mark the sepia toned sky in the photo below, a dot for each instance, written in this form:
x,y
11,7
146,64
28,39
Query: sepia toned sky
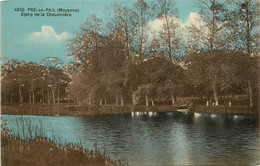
x,y
34,38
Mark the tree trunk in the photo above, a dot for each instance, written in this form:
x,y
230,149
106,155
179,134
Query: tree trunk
x,y
100,101
122,100
126,39
133,100
233,98
12,97
173,100
53,96
250,93
59,94
133,97
42,95
48,95
105,101
116,101
20,94
168,37
208,97
213,31
248,36
32,92
142,35
146,100
30,97
33,97
215,94
152,102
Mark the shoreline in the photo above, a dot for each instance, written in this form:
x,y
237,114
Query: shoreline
x,y
43,151
221,109
81,110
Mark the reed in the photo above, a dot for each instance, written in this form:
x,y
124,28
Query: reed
x,y
27,132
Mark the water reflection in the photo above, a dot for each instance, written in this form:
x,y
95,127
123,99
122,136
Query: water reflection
x,y
173,138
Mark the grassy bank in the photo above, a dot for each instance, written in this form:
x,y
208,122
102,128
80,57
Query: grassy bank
x,y
224,109
70,110
29,145
65,109
42,152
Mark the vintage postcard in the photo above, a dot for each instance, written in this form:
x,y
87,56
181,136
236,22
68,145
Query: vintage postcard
x,y
129,82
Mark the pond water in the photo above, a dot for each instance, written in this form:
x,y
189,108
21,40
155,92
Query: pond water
x,y
172,138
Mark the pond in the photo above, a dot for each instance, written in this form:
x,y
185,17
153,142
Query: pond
x,y
172,138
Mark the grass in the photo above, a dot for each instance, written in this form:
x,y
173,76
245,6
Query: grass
x,y
239,106
30,146
224,109
67,110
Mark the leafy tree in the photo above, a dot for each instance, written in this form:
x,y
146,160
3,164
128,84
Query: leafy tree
x,y
222,70
43,82
27,82
89,38
7,81
100,76
206,68
52,75
132,76
244,23
34,76
20,78
244,73
8,88
160,73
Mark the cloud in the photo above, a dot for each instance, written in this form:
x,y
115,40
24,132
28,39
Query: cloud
x,y
195,19
156,24
48,34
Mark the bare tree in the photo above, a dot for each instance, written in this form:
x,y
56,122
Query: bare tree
x,y
167,12
244,23
211,30
141,31
123,19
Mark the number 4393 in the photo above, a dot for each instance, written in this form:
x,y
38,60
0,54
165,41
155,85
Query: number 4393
x,y
19,9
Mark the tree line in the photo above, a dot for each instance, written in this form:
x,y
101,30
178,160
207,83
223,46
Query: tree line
x,y
124,61
33,83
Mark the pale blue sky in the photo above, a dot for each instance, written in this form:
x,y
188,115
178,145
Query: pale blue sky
x,y
17,31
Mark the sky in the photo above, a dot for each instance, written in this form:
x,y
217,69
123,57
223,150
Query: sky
x,y
34,38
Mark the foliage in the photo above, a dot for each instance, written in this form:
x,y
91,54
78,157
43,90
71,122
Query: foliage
x,y
124,62
30,82
228,71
